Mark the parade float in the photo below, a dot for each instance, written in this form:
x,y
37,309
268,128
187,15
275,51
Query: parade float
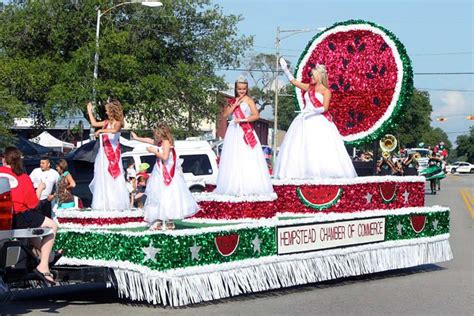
x,y
308,231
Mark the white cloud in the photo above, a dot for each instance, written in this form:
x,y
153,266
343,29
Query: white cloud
x,y
454,106
452,103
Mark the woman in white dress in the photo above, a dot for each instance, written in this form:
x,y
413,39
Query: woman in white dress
x,y
109,189
168,195
313,147
243,170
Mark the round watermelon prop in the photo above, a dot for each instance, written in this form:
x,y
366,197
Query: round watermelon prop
x,y
388,191
319,198
369,75
226,245
418,223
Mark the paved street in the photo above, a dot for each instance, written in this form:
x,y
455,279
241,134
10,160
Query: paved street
x,y
442,289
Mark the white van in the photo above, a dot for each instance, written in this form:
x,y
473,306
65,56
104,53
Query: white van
x,y
199,162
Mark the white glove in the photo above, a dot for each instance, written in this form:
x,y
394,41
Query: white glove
x,y
284,67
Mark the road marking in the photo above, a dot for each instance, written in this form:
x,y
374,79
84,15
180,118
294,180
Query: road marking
x,y
466,196
471,199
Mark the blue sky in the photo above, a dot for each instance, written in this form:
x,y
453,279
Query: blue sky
x,y
438,35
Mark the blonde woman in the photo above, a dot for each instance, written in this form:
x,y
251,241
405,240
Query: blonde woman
x,y
108,187
313,147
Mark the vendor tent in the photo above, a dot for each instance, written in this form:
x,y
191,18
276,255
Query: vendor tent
x,y
47,140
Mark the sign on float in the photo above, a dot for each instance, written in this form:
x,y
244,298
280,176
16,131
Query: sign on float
x,y
318,236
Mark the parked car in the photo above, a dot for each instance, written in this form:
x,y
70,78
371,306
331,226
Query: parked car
x,y
461,167
451,168
199,162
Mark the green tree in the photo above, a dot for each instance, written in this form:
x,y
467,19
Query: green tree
x,y
287,107
262,71
159,62
415,122
465,146
10,108
436,135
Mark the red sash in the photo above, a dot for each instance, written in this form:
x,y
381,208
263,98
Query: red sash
x,y
316,103
167,175
249,135
112,156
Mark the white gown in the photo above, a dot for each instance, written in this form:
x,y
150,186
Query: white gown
x,y
243,170
168,202
313,148
108,193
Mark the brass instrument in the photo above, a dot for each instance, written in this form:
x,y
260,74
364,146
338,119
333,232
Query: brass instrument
x,y
416,156
387,143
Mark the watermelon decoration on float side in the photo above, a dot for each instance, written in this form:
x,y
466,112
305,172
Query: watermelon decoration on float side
x,y
418,223
369,75
319,197
388,191
226,245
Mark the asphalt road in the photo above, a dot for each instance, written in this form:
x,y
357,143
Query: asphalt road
x,y
443,289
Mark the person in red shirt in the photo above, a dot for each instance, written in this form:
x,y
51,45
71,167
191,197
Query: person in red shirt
x,y
25,212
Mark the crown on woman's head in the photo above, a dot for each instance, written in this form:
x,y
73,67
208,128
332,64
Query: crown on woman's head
x,y
241,79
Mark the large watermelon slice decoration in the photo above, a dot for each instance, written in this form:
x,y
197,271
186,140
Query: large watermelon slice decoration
x,y
418,223
319,197
226,245
388,191
369,75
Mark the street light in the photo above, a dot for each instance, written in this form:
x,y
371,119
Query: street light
x,y
275,80
152,4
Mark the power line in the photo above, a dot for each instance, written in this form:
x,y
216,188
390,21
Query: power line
x,y
441,54
443,73
465,132
436,89
416,73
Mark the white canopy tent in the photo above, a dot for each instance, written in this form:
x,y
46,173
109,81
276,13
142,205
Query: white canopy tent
x,y
47,140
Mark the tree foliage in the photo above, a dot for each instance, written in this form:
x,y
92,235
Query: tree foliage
x,y
465,146
10,108
261,70
159,62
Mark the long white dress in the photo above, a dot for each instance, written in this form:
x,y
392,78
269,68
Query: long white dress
x,y
168,202
109,193
313,148
243,170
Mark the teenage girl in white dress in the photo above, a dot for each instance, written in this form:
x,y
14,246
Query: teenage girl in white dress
x,y
313,147
109,189
243,170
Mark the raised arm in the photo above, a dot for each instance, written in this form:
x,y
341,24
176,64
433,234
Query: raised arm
x,y
296,83
142,139
92,119
166,145
253,108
